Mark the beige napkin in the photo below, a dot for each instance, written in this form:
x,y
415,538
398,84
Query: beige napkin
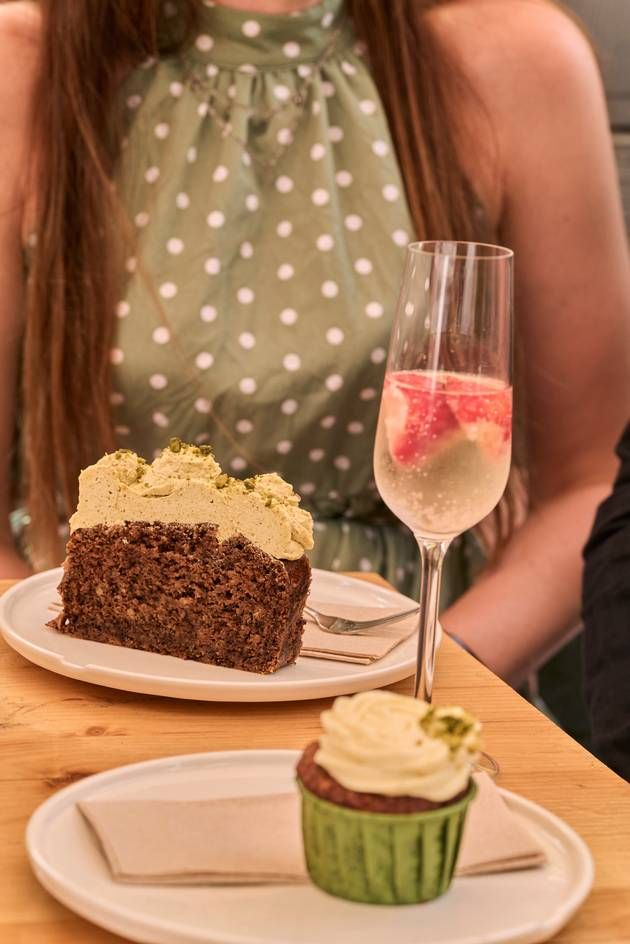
x,y
362,649
256,839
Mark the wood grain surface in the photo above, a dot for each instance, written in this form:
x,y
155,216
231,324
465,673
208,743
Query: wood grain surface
x,y
54,730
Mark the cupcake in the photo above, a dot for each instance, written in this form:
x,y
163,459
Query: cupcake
x,y
385,792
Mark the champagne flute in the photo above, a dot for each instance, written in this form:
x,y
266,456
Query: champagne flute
x,y
443,441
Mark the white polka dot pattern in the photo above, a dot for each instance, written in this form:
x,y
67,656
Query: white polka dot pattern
x,y
158,381
251,28
248,385
284,137
284,184
162,335
289,407
353,222
325,242
286,272
204,43
291,50
216,219
212,265
160,419
288,316
245,296
247,340
275,248
292,362
400,237
204,360
208,313
334,382
202,405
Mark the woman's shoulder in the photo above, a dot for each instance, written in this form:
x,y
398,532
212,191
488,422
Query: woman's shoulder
x,y
502,43
20,27
20,34
531,68
20,30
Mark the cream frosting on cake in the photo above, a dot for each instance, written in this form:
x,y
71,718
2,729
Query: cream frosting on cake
x,y
186,485
394,745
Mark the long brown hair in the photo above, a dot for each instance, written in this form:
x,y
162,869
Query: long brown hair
x,y
76,273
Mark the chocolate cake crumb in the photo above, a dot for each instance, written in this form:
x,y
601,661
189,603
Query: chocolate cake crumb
x,y
177,590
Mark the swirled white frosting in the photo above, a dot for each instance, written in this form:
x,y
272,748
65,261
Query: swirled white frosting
x,y
380,742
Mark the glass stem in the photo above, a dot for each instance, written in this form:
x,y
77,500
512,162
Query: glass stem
x,y
431,559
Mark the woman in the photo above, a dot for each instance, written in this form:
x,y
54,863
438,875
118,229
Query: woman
x,y
269,181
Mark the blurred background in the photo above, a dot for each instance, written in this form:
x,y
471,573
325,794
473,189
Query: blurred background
x,y
608,22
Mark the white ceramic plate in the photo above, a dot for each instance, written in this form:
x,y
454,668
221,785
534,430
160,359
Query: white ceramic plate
x,y
514,908
25,610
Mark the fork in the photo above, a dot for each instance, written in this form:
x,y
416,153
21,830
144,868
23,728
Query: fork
x,y
340,626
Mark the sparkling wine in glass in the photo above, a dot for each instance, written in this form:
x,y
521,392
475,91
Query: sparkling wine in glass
x,y
443,441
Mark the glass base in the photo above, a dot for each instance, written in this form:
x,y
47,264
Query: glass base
x,y
487,765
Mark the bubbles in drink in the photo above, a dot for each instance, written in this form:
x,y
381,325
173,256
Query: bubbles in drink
x,y
443,448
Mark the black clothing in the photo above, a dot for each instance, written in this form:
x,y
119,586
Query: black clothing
x,y
606,616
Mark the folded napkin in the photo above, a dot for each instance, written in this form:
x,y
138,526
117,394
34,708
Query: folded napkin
x,y
257,839
361,649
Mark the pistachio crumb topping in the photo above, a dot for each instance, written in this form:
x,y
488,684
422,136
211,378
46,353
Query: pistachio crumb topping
x,y
186,484
454,726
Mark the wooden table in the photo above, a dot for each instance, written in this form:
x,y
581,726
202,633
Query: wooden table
x,y
56,730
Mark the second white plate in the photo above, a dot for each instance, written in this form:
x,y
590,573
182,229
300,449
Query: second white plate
x,y
25,610
512,908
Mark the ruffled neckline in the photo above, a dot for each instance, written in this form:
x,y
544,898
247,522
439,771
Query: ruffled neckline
x,y
242,38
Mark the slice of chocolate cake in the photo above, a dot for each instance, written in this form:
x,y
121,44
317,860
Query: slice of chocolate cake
x,y
179,558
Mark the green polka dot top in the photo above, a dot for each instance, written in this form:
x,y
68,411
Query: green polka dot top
x,y
271,224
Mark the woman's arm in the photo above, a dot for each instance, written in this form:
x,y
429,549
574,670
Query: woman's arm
x,y
18,57
558,207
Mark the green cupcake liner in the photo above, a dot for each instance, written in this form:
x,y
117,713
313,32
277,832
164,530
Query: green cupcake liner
x,y
382,858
